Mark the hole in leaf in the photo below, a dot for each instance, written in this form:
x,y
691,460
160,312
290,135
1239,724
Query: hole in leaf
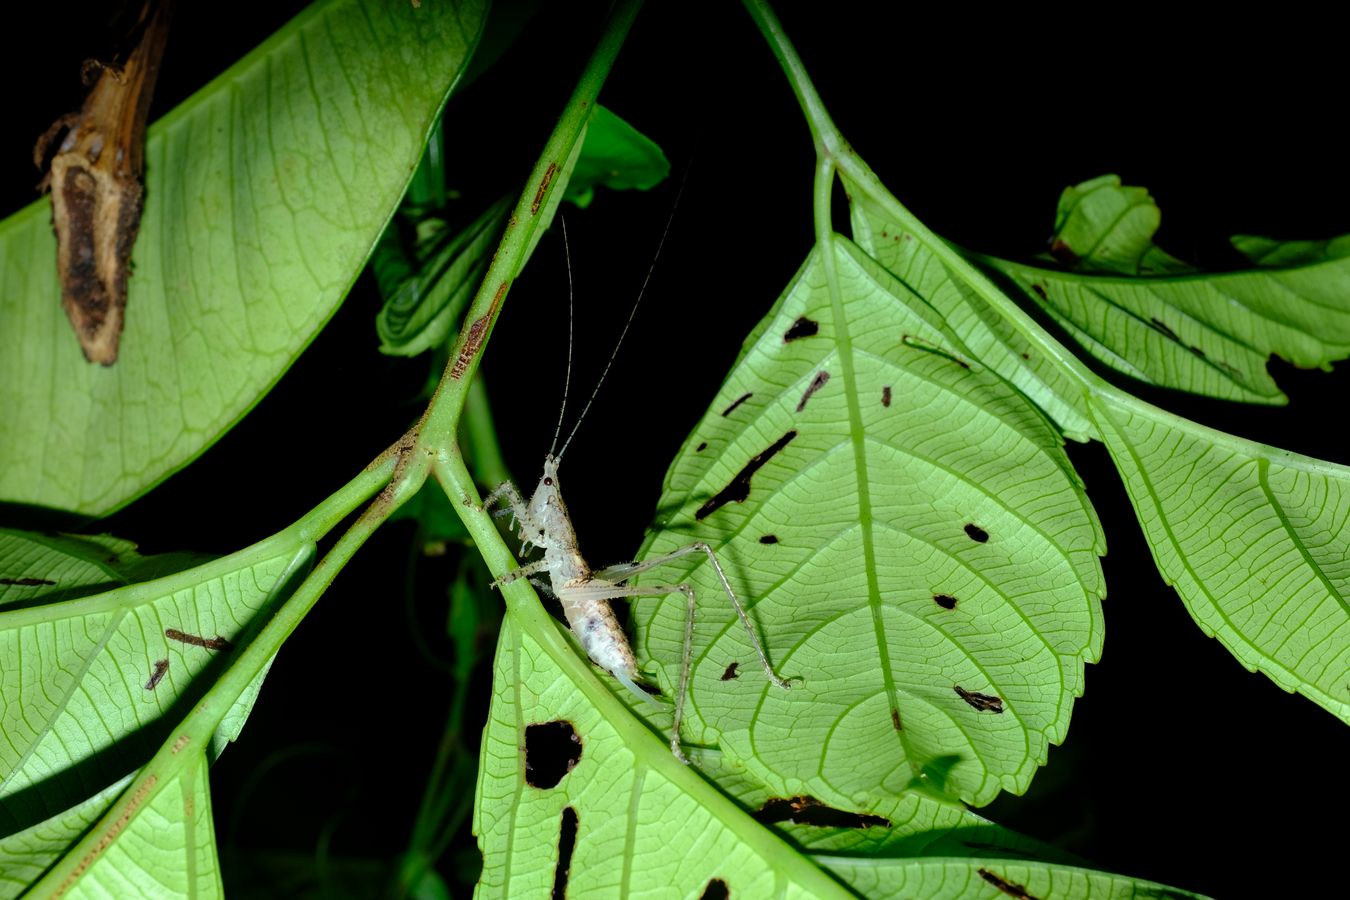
x,y
804,810
982,702
716,890
156,676
739,488
1162,326
567,842
703,445
26,581
737,402
816,384
769,539
946,601
802,328
976,533
1007,887
1062,253
731,672
552,749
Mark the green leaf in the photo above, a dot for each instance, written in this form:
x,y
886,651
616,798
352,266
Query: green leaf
x,y
1103,227
73,565
156,837
425,305
1251,536
1268,537
913,543
427,287
265,192
1206,334
1269,252
560,748
78,709
617,156
644,823
915,256
964,879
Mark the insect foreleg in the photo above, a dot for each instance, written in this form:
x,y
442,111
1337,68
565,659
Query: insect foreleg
x,y
627,570
515,503
528,569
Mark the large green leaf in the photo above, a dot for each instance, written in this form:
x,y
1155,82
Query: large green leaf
x,y
1207,334
576,797
915,256
1253,538
963,879
265,193
1256,556
916,549
80,707
559,748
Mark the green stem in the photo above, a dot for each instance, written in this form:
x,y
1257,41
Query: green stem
x,y
530,215
480,436
187,744
830,142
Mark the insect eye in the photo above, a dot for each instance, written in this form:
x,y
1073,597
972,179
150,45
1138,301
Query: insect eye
x,y
548,481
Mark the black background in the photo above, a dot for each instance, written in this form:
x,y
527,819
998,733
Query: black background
x,y
1180,766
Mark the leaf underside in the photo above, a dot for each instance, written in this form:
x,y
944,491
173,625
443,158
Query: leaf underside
x,y
1257,554
1151,317
265,192
918,554
575,798
80,707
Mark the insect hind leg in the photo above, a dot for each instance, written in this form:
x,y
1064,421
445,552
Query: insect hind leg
x,y
624,571
686,656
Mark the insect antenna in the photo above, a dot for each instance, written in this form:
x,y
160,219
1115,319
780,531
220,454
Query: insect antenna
x,y
571,320
632,313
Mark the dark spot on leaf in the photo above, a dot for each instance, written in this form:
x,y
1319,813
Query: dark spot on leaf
x,y
981,702
703,445
215,643
716,890
804,810
1198,352
731,673
1007,887
157,674
1026,356
769,539
946,601
802,328
567,843
886,396
1162,326
816,384
552,749
976,533
1062,253
1040,292
895,719
26,581
739,488
737,402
